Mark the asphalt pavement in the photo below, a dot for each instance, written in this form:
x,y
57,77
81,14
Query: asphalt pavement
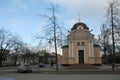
x,y
49,73
61,68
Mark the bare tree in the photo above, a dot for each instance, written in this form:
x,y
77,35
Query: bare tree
x,y
113,17
104,40
51,33
6,42
17,47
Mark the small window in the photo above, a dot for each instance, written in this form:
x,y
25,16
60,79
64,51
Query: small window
x,y
83,43
79,27
78,43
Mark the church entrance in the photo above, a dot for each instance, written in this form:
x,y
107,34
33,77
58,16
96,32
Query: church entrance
x,y
81,56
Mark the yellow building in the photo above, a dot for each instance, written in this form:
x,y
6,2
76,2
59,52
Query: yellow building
x,y
81,48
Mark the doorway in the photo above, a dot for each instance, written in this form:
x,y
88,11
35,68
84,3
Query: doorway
x,y
81,56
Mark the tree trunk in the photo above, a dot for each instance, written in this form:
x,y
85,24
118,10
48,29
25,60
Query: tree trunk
x,y
0,63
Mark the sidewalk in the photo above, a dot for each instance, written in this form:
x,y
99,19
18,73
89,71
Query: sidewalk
x,y
61,68
103,70
12,67
99,68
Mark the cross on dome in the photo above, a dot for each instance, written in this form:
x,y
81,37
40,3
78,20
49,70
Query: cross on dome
x,y
79,18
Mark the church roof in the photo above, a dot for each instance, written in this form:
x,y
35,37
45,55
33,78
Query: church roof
x,y
96,45
65,46
79,24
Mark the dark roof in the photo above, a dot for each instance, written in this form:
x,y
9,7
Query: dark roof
x,y
96,45
65,46
80,23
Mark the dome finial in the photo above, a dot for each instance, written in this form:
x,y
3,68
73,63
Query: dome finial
x,y
79,17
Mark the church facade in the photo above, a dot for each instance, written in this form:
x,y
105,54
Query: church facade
x,y
81,48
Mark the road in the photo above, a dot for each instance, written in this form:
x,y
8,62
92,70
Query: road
x,y
33,76
12,74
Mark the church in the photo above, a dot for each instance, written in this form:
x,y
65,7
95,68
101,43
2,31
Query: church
x,y
81,48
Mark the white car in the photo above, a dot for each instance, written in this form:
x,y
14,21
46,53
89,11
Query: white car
x,y
25,68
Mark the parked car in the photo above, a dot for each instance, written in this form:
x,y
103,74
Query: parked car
x,y
25,68
41,65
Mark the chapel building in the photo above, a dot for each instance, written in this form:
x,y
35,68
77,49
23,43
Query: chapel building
x,y
81,48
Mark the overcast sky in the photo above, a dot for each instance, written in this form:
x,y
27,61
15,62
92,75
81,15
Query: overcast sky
x,y
21,16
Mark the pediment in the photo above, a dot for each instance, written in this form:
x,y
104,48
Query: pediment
x,y
80,34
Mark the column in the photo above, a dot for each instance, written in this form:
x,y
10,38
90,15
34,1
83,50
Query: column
x,y
69,50
72,50
89,49
92,53
92,49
